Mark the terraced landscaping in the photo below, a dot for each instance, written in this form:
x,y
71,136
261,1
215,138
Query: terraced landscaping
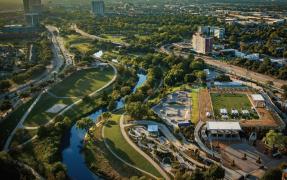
x,y
122,148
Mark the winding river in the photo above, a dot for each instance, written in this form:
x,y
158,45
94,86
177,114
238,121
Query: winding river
x,y
72,156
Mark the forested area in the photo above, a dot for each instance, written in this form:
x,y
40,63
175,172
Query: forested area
x,y
264,39
265,67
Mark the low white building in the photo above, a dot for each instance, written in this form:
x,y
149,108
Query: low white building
x,y
223,111
258,100
222,130
153,130
234,112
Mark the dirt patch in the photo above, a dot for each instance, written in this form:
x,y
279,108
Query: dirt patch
x,y
205,105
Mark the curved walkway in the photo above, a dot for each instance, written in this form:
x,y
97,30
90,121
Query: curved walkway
x,y
20,124
200,143
162,172
80,100
181,147
94,37
118,157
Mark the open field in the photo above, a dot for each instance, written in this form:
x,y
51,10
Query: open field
x,y
117,142
229,101
195,107
78,42
99,159
82,47
113,38
77,85
74,39
205,104
83,82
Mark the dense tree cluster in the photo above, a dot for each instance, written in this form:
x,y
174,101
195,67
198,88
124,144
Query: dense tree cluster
x,y
4,85
42,55
265,67
46,153
10,170
214,172
263,39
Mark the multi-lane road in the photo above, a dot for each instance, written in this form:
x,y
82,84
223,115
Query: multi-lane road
x,y
57,61
250,75
238,71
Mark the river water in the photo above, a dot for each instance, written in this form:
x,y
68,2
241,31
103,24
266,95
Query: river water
x,y
72,156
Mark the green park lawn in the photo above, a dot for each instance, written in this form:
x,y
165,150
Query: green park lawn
x,y
74,39
122,148
83,82
229,101
78,85
194,110
118,39
82,44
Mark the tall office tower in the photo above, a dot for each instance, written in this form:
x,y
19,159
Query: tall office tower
x,y
201,43
98,8
32,6
32,19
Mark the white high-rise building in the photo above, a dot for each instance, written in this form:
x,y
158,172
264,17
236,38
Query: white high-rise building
x,y
201,43
98,8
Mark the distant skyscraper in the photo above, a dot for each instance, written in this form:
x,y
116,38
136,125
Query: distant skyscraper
x,y
32,19
32,6
201,43
98,8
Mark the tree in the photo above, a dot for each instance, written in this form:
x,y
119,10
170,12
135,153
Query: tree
x,y
272,174
136,109
189,78
85,124
201,75
215,172
284,87
42,132
197,175
112,105
106,115
275,139
5,85
5,105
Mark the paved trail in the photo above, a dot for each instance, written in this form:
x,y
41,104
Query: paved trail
x,y
20,124
122,160
159,169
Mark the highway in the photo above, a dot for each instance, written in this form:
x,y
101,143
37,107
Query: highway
x,y
238,71
57,62
242,72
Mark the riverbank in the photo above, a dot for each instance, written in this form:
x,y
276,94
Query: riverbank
x,y
100,160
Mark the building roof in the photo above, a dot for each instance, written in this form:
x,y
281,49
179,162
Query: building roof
x,y
152,128
223,111
245,111
219,125
257,97
217,83
234,111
